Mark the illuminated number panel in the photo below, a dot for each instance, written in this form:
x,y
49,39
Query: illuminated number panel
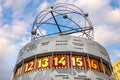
x,y
92,64
43,63
60,62
78,62
18,71
29,66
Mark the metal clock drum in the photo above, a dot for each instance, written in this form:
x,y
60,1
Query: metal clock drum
x,y
63,58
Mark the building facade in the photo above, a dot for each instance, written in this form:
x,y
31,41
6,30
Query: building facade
x,y
116,70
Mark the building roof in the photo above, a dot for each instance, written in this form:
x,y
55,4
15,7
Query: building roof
x,y
117,62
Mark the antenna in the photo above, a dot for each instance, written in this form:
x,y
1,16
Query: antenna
x,y
62,19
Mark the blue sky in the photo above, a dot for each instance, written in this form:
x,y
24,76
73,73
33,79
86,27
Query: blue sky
x,y
17,16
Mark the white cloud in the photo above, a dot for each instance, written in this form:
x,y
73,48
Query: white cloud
x,y
12,37
1,11
65,1
8,3
93,5
107,35
14,29
17,6
114,16
88,5
42,6
9,36
19,28
98,13
6,48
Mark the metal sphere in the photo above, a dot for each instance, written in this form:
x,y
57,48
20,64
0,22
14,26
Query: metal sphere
x,y
33,32
86,14
65,16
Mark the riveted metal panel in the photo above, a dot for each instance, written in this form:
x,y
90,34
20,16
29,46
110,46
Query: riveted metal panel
x,y
57,45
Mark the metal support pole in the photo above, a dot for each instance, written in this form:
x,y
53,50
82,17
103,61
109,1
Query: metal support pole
x,y
89,62
102,65
52,77
56,21
23,62
71,66
35,68
110,69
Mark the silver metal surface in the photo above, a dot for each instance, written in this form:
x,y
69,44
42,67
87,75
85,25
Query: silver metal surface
x,y
64,44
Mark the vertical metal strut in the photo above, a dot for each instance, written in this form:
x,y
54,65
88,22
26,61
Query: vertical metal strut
x,y
56,21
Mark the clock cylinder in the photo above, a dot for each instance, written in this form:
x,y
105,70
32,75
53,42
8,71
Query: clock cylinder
x,y
63,57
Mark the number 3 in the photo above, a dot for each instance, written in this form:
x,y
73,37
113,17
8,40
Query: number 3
x,y
45,62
